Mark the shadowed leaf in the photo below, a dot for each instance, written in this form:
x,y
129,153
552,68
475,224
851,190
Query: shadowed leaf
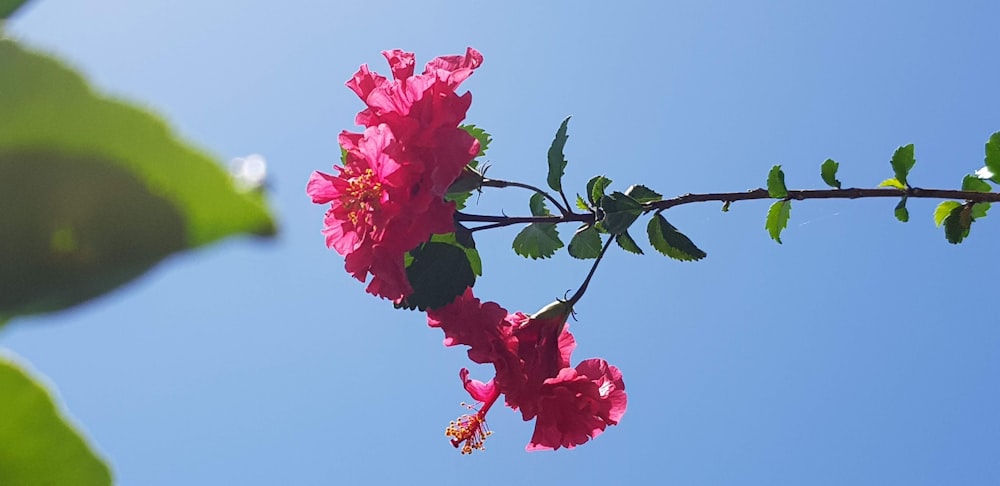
x,y
670,242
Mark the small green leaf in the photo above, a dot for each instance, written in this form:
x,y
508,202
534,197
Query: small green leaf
x,y
343,155
993,156
943,210
537,205
586,243
595,188
902,213
892,183
460,198
438,273
777,219
581,204
957,224
557,160
902,161
620,211
979,210
37,444
643,194
975,184
725,206
480,135
829,173
776,183
626,243
8,7
670,242
537,240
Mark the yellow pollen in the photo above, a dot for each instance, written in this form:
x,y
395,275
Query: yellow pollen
x,y
364,193
469,432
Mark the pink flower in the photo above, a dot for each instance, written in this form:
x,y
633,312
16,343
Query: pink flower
x,y
389,196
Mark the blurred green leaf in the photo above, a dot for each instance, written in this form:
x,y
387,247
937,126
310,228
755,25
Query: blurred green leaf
x,y
829,173
777,219
537,240
902,161
620,211
8,7
943,210
480,135
557,161
643,194
975,184
37,444
776,183
596,187
586,243
993,156
94,192
892,183
957,224
626,243
979,210
670,242
438,272
901,212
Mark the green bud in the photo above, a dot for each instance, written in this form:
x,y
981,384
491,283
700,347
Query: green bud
x,y
559,308
469,181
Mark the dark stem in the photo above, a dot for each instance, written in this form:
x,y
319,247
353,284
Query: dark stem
x,y
501,184
583,288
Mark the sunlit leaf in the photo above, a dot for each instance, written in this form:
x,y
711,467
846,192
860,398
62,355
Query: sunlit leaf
x,y
979,210
596,187
581,204
37,444
480,135
943,210
993,156
557,160
643,194
902,161
892,183
829,173
777,218
975,184
586,243
670,242
776,183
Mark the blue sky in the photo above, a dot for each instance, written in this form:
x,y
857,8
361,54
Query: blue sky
x,y
862,351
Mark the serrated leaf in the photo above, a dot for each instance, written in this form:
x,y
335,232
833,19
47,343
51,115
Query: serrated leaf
x,y
537,205
557,160
8,7
829,173
438,273
902,214
625,242
463,239
979,210
481,136
993,156
892,183
94,192
777,219
958,224
620,211
586,243
643,194
975,184
902,161
537,240
460,199
596,187
776,183
670,242
581,204
37,444
943,210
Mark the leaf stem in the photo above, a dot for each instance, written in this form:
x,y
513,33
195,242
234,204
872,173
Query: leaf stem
x,y
586,282
501,184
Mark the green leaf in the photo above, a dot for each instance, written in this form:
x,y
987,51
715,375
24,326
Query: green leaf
x,y
902,213
993,156
460,198
957,224
37,444
438,273
979,210
829,173
581,204
586,243
620,211
8,7
94,192
626,243
670,242
537,205
943,210
480,135
975,184
557,161
776,183
902,161
595,188
777,219
537,240
643,194
892,183
462,238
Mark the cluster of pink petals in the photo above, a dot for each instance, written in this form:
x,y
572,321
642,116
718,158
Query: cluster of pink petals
x,y
389,195
531,357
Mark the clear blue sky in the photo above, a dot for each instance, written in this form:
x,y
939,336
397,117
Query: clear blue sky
x,y
862,351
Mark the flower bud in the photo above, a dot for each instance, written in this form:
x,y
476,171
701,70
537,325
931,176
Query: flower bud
x,y
470,180
559,308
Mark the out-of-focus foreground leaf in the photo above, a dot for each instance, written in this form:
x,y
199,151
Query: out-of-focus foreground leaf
x,y
8,7
37,446
94,192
